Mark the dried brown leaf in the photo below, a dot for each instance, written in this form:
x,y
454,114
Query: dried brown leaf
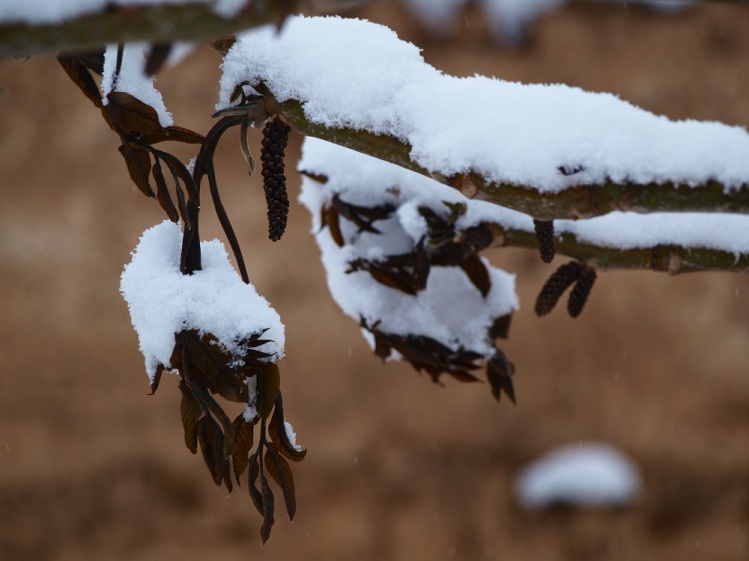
x,y
255,494
191,413
279,436
138,162
280,470
243,440
476,270
268,384
162,193
75,68
130,115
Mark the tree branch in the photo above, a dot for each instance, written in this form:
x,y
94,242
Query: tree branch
x,y
672,259
152,23
581,201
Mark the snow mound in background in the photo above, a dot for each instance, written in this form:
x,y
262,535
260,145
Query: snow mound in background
x,y
579,475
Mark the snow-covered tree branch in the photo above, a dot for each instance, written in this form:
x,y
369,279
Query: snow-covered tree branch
x,y
409,174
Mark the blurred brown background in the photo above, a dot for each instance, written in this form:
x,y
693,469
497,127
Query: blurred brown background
x,y
398,468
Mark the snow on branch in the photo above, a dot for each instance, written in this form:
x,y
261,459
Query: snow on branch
x,y
670,242
551,151
34,26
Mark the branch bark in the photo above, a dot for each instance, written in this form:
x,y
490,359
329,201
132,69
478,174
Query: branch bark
x,y
151,23
581,201
672,259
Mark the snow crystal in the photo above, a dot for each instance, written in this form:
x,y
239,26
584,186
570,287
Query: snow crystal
x,y
291,435
353,73
582,475
40,12
163,301
132,79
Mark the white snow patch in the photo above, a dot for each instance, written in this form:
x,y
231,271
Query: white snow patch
x,y
353,73
362,180
579,475
163,301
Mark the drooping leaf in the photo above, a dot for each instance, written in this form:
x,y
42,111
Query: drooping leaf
x,y
499,373
211,446
268,507
191,413
157,57
476,270
394,279
279,436
362,216
175,134
76,70
243,440
280,470
162,192
500,327
130,115
211,365
334,226
180,171
255,494
138,162
268,384
157,378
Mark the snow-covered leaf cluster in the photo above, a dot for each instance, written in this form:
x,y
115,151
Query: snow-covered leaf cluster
x,y
164,302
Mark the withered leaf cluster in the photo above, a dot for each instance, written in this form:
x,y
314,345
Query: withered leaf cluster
x,y
137,124
207,369
444,245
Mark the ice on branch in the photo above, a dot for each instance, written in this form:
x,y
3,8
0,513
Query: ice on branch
x,y
450,308
359,75
40,12
164,302
579,475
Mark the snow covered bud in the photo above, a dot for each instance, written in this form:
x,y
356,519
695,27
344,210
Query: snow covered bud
x,y
275,138
545,237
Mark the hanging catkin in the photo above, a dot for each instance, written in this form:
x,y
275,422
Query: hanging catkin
x,y
275,138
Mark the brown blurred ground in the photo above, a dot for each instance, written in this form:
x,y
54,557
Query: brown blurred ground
x,y
92,467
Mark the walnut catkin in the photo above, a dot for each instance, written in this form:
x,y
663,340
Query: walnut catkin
x,y
275,138
558,282
545,236
580,292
